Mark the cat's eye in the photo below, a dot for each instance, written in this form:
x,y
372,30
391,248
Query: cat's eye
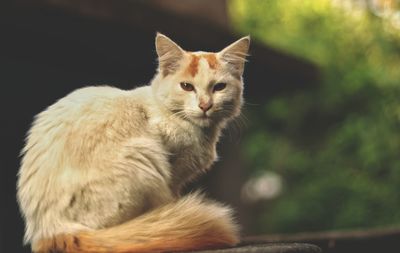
x,y
219,86
187,86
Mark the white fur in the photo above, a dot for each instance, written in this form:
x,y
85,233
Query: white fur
x,y
101,156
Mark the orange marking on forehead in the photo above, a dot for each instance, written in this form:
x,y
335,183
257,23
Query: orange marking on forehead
x,y
193,67
212,60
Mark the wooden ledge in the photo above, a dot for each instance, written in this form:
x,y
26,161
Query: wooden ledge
x,y
270,248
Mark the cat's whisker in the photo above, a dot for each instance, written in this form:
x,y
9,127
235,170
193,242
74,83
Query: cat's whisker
x,y
242,119
178,114
245,103
235,130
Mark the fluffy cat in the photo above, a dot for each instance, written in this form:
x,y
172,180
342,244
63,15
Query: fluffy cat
x,y
102,168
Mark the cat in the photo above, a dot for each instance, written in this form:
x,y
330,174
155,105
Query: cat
x,y
103,168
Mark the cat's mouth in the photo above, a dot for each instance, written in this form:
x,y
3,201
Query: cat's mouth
x,y
202,119
205,116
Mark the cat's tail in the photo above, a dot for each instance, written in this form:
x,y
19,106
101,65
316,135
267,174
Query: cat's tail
x,y
191,223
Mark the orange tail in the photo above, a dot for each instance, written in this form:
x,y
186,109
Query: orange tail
x,y
188,224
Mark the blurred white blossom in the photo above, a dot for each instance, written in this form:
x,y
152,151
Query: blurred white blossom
x,y
266,186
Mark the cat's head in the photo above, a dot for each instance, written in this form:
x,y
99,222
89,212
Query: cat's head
x,y
201,87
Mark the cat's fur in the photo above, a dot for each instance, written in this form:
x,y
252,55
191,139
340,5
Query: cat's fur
x,y
102,168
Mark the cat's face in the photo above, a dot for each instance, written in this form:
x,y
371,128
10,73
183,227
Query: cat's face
x,y
201,87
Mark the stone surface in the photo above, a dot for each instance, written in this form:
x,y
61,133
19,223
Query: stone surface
x,y
270,248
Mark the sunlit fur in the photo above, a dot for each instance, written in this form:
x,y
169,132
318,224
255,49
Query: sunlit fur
x,y
102,168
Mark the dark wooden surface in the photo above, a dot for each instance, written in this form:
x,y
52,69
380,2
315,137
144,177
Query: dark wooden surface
x,y
270,248
386,240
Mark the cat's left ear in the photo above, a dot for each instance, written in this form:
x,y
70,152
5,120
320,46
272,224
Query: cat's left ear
x,y
235,55
169,54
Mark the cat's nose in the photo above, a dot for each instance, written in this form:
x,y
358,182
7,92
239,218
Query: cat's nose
x,y
205,106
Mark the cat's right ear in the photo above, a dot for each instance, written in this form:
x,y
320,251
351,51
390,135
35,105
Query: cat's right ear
x,y
235,55
169,54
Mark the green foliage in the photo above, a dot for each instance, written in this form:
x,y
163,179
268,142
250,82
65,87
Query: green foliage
x,y
336,146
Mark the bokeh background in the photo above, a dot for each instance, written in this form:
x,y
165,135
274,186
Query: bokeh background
x,y
317,147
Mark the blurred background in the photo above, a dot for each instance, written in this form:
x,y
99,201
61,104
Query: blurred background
x,y
317,147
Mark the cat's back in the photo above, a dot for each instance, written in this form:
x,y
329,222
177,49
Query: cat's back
x,y
89,106
79,109
77,105
84,123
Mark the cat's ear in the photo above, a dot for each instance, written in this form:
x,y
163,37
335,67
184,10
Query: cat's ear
x,y
169,54
235,55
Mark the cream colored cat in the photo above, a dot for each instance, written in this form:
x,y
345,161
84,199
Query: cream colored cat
x,y
103,168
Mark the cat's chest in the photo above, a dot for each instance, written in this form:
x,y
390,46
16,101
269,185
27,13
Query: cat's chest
x,y
188,147
189,155
183,143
